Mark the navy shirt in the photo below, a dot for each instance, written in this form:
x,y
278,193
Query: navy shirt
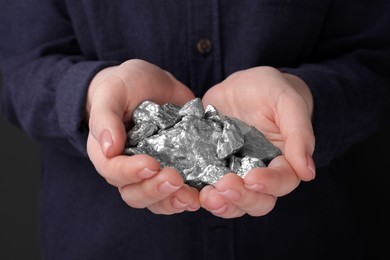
x,y
51,49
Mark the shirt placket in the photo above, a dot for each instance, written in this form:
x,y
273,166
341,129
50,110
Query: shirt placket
x,y
205,70
204,49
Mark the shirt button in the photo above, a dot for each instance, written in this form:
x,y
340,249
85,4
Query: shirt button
x,y
204,46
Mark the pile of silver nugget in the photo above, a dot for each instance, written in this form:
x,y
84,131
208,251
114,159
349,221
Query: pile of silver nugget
x,y
201,144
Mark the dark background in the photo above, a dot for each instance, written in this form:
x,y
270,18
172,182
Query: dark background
x,y
366,174
19,184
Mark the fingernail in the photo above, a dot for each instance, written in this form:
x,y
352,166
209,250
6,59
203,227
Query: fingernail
x,y
230,194
255,187
167,187
146,173
178,203
310,165
105,141
221,210
192,208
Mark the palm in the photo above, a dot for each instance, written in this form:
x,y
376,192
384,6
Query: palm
x,y
245,97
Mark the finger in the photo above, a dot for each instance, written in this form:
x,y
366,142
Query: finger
x,y
150,82
277,179
180,95
297,131
216,204
150,191
123,169
185,199
106,116
232,188
298,150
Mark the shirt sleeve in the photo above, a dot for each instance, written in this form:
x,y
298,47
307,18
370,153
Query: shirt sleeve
x,y
348,74
45,76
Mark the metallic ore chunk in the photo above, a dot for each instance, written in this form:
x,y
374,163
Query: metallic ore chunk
x,y
242,166
212,114
247,164
209,175
202,145
139,132
231,139
234,163
256,145
193,107
163,117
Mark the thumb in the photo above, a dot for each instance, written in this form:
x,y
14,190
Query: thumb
x,y
297,131
109,132
299,147
106,120
299,139
297,128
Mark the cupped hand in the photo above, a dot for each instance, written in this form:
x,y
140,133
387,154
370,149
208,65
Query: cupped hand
x,y
280,106
112,96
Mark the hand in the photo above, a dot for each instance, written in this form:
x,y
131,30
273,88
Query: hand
x,y
112,96
280,106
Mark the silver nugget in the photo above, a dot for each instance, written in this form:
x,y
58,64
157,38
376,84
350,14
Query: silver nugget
x,y
201,144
